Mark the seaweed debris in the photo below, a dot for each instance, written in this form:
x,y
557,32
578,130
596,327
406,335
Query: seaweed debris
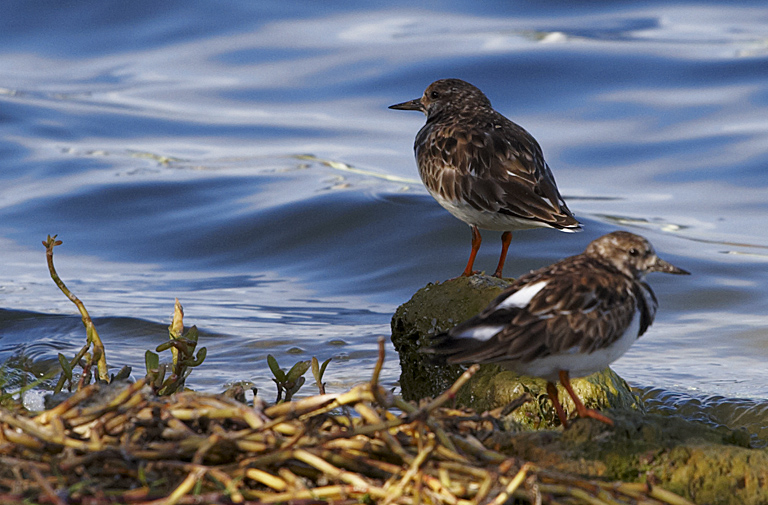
x,y
133,446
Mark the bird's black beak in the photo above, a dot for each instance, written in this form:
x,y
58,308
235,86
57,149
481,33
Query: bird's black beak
x,y
410,105
668,268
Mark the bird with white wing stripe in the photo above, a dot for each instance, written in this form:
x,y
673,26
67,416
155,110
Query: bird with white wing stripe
x,y
570,319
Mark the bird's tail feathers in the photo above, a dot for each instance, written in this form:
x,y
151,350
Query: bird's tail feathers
x,y
445,348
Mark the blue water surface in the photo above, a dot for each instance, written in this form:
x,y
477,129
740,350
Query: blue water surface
x,y
241,157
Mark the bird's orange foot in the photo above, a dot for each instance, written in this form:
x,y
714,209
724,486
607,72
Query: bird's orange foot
x,y
467,274
595,415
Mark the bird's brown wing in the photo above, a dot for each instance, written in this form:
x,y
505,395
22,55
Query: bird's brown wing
x,y
492,164
576,310
504,172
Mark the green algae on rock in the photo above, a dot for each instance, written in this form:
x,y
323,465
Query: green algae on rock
x,y
704,463
439,307
436,308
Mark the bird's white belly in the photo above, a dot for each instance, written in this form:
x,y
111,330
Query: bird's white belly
x,y
576,363
485,219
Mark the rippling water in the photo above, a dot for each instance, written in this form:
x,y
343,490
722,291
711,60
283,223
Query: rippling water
x,y
242,158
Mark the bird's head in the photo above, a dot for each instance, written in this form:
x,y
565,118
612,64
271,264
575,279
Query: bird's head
x,y
631,254
446,95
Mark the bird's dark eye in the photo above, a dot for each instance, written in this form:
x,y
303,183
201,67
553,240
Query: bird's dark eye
x,y
634,252
434,95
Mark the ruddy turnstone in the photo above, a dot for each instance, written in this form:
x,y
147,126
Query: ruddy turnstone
x,y
570,319
483,168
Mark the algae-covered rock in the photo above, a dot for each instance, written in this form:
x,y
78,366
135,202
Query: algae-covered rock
x,y
437,308
434,309
714,475
706,464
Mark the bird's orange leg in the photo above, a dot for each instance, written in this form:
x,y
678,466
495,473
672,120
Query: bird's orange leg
x,y
580,408
506,238
552,392
476,240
